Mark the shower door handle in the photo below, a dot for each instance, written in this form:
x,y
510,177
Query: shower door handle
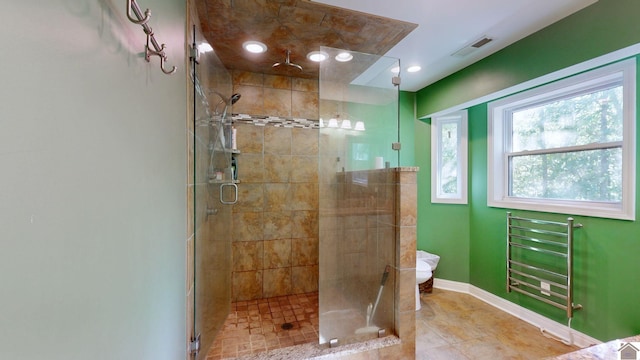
x,y
235,193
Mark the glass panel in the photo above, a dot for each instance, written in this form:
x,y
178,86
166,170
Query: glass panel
x,y
359,109
594,117
594,175
212,219
359,113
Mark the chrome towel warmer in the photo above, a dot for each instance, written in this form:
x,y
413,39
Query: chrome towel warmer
x,y
540,260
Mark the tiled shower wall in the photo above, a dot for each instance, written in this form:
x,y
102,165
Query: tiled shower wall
x,y
275,222
274,95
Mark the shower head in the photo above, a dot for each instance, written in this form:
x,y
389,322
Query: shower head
x,y
223,99
288,62
226,101
232,100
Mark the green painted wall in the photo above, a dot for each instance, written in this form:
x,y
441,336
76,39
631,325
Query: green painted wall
x,y
603,27
450,243
471,239
443,229
407,128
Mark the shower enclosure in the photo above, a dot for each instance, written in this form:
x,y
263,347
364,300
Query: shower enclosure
x,y
358,110
358,127
213,192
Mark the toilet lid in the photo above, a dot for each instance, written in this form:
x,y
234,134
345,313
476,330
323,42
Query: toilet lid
x,y
422,266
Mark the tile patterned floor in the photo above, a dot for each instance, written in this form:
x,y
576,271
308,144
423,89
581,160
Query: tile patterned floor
x,y
458,326
256,326
450,325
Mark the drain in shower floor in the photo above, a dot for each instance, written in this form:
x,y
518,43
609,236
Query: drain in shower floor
x,y
286,326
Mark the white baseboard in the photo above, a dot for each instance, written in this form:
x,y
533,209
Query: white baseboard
x,y
452,285
545,324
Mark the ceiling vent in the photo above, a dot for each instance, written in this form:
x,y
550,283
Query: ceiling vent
x,y
473,47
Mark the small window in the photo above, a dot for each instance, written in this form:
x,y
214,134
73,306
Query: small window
x,y
449,158
567,147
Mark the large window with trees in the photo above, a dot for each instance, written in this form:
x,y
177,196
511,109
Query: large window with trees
x,y
567,147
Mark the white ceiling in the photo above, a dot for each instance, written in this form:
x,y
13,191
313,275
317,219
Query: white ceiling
x,y
445,27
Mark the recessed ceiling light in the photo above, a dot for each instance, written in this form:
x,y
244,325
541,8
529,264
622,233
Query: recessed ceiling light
x,y
414,68
395,70
204,47
317,56
255,47
344,56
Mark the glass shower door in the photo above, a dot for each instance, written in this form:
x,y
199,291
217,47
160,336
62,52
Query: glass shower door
x,y
359,124
213,195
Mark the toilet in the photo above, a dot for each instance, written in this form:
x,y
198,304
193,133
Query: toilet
x,y
423,273
426,263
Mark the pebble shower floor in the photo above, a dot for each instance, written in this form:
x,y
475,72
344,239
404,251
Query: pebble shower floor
x,y
256,326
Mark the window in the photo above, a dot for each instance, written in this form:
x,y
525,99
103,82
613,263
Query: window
x,y
449,158
567,147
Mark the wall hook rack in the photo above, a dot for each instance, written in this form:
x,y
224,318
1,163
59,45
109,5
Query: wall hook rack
x,y
158,50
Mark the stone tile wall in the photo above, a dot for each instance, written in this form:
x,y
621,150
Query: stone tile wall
x,y
275,95
275,222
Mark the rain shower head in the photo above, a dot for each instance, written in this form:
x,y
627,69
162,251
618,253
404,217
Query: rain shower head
x,y
288,62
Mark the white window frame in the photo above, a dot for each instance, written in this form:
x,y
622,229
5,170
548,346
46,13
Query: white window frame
x,y
460,119
498,172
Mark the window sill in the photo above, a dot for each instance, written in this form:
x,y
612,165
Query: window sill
x,y
591,209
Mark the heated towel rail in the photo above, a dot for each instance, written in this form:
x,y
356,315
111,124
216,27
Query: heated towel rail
x,y
540,260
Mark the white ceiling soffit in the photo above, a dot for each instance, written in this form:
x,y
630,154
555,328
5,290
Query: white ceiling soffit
x,y
447,27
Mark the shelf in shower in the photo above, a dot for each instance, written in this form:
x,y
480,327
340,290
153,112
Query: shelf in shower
x,y
213,181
